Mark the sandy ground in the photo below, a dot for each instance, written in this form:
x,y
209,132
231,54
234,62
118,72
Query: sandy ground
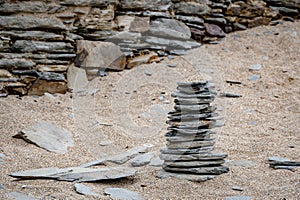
x,y
264,122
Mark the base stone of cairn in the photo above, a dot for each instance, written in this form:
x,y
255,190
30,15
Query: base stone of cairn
x,y
191,137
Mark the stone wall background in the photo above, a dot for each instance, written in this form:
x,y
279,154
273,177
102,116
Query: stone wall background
x,y
39,38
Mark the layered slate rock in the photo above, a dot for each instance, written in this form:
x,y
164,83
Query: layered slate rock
x,y
191,137
76,174
48,136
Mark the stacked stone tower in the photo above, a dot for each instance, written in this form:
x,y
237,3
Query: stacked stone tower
x,y
191,137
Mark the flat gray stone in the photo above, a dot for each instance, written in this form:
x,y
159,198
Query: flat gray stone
x,y
52,172
21,196
255,67
129,154
171,44
32,35
238,198
78,174
16,64
51,76
275,160
254,77
29,22
190,177
1,158
190,157
199,170
122,194
95,3
169,28
187,164
154,5
189,144
187,151
142,159
37,46
30,7
156,162
48,136
237,188
84,190
1,187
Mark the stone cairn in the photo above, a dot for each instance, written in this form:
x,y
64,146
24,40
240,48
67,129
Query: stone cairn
x,y
191,139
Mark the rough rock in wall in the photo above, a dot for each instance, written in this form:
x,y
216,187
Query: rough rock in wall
x,y
38,37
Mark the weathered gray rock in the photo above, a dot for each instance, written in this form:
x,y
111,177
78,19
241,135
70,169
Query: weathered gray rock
x,y
287,3
237,188
169,44
122,194
99,55
16,63
124,22
95,3
40,173
159,5
192,8
52,68
26,46
156,162
190,19
238,198
21,196
1,186
169,28
254,77
140,24
189,157
255,67
30,7
275,160
77,78
190,177
1,158
32,35
48,136
189,144
285,10
142,159
29,22
156,14
51,76
188,164
129,154
51,62
199,170
214,30
84,190
77,174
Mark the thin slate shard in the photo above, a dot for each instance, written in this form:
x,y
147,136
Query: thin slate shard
x,y
78,174
48,136
191,138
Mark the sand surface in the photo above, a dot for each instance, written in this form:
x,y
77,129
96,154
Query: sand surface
x,y
265,122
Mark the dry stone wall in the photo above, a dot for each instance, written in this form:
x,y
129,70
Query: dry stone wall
x,y
38,39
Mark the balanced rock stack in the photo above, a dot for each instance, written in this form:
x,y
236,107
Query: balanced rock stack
x,y
191,138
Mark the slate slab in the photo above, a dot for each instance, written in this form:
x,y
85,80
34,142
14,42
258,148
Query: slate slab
x,y
190,177
129,154
84,190
78,174
142,159
122,194
238,198
48,136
